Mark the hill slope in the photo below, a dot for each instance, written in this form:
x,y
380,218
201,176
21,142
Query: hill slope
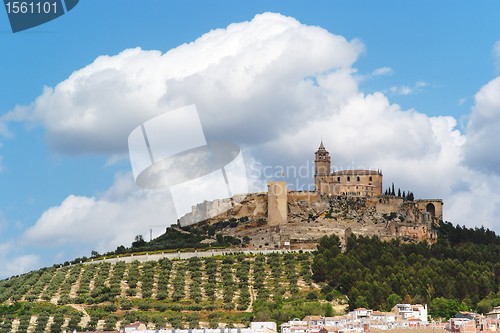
x,y
178,293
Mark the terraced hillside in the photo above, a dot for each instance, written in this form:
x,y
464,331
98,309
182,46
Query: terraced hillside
x,y
199,292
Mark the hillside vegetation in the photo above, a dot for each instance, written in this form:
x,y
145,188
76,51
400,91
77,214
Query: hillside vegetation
x,y
179,293
460,272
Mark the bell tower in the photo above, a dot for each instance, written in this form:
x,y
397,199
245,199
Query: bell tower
x,y
321,166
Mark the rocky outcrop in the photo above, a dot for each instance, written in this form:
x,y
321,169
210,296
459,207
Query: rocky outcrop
x,y
250,205
310,217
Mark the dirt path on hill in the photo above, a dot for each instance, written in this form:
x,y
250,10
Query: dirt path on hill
x,y
86,317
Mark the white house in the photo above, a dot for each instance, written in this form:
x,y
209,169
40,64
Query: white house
x,y
411,313
360,313
295,326
337,321
494,314
383,320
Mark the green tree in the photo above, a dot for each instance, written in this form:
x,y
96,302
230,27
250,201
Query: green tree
x,y
329,310
312,295
446,308
361,302
484,306
139,241
392,300
328,249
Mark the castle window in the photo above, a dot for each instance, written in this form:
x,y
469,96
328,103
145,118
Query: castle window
x,y
431,209
357,178
338,179
370,178
348,178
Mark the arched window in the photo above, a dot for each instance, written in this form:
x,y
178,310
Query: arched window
x,y
370,178
348,178
431,209
338,179
357,178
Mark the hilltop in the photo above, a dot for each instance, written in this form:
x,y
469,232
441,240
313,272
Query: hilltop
x,y
309,217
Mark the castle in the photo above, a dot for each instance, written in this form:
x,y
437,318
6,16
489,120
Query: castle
x,y
344,202
362,183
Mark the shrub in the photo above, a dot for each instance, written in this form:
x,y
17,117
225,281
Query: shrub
x,y
110,308
161,307
326,289
312,295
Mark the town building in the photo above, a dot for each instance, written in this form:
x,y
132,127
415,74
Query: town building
x,y
493,318
402,316
494,314
411,313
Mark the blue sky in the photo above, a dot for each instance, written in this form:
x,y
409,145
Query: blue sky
x,y
428,67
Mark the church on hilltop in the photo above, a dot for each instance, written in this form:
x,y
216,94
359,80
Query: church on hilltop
x,y
359,183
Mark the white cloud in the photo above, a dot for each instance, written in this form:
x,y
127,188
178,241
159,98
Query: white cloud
x,y
104,222
483,129
408,90
477,203
14,263
462,101
382,71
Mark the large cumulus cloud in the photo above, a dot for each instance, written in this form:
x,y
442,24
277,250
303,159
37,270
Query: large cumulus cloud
x,y
261,73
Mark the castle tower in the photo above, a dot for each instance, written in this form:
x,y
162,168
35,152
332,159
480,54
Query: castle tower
x,y
277,203
321,166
